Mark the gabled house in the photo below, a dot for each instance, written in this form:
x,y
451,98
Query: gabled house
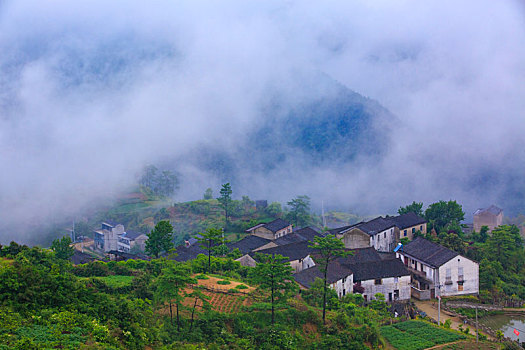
x,y
491,217
130,239
437,270
272,230
297,254
300,235
380,233
248,244
106,238
408,224
365,272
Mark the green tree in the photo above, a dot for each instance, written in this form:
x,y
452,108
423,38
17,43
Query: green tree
x,y
412,208
274,209
171,284
505,245
198,295
63,248
274,274
443,213
210,240
160,239
328,249
208,194
299,213
452,241
225,201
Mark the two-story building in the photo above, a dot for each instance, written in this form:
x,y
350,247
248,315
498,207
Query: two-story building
x,y
106,238
131,239
272,230
437,270
296,254
491,217
380,233
408,224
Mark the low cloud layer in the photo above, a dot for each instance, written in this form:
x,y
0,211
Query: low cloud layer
x,y
92,91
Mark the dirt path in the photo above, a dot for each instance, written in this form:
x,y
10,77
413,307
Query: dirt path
x,y
430,308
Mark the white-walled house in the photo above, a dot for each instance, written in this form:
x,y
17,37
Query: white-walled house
x,y
363,272
437,270
296,254
380,233
272,230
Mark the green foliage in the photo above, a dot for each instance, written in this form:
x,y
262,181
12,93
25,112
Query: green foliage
x,y
209,241
273,274
162,183
208,194
160,239
274,209
225,200
62,248
223,282
299,213
415,207
416,335
442,213
328,248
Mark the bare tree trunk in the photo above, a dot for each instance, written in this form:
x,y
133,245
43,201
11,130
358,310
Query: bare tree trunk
x,y
171,313
324,292
178,319
192,313
273,314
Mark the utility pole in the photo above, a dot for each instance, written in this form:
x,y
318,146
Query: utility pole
x,y
439,310
322,214
476,323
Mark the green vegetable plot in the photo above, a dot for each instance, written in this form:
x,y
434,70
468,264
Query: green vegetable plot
x,y
416,335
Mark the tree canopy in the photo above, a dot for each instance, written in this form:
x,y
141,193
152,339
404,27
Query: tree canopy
x,y
415,207
442,213
160,239
62,248
210,240
328,248
225,200
299,213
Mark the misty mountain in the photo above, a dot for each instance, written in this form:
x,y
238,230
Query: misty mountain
x,y
336,126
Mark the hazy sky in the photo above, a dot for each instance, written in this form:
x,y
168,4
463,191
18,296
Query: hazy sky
x,y
90,91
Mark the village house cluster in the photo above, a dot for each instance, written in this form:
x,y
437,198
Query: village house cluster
x,y
378,262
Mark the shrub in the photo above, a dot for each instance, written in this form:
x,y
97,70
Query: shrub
x,y
223,282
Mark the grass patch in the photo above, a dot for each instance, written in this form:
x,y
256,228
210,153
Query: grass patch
x,y
241,286
202,277
417,335
223,282
116,281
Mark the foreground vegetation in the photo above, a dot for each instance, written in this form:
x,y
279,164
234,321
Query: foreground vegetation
x,y
45,302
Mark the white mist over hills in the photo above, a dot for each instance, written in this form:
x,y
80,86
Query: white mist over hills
x,y
92,91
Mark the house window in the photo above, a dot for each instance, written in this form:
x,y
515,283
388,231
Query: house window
x,y
460,286
377,281
421,228
405,233
396,279
413,230
364,296
344,292
385,235
344,279
378,238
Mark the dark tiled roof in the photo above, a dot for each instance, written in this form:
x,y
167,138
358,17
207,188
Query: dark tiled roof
x,y
81,258
293,251
376,225
189,253
133,234
407,220
364,264
248,243
492,210
304,234
335,272
428,252
276,225
339,230
379,269
127,256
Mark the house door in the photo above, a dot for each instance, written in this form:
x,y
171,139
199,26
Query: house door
x,y
389,296
406,261
432,293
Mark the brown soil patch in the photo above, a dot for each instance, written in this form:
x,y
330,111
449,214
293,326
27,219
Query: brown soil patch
x,y
467,345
